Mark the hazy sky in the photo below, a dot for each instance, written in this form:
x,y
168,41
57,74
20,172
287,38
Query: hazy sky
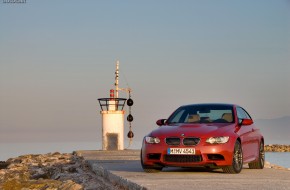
x,y
58,57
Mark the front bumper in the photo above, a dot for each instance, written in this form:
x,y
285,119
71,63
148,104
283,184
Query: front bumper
x,y
212,155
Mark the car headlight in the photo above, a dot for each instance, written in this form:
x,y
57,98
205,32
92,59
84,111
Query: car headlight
x,y
217,140
152,140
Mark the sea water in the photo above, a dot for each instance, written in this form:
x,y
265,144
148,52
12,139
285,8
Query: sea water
x,y
10,150
279,158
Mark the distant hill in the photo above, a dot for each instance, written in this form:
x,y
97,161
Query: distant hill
x,y
275,131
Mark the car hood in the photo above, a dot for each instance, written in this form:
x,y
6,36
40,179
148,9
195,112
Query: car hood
x,y
196,130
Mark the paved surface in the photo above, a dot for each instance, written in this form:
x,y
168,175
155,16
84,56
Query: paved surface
x,y
123,168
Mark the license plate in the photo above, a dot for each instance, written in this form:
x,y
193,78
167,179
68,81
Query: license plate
x,y
180,151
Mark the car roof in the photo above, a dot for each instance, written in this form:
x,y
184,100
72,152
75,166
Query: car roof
x,y
214,104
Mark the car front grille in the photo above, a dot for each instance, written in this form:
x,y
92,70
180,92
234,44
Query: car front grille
x,y
182,158
192,141
173,141
189,141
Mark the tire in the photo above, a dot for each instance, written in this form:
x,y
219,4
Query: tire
x,y
150,169
259,164
237,163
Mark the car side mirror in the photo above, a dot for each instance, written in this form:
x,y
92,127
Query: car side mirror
x,y
247,122
161,122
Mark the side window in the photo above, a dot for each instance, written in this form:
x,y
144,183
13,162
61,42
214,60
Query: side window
x,y
242,114
246,113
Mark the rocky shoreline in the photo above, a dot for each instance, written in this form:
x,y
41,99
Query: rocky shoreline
x,y
52,171
277,148
274,166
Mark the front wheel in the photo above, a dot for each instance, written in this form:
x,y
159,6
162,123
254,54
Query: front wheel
x,y
237,163
261,160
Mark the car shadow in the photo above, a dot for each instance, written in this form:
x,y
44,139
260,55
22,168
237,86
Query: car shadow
x,y
135,166
192,170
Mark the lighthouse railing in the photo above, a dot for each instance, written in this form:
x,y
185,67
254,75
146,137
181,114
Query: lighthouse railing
x,y
107,104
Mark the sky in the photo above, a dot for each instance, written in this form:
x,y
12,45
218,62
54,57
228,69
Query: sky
x,y
58,57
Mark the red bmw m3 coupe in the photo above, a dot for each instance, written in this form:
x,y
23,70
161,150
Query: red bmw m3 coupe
x,y
210,135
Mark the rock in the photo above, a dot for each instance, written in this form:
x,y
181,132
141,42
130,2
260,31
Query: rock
x,y
70,185
267,165
3,165
277,148
52,171
39,174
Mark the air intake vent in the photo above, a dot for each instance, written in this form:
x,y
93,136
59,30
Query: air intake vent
x,y
173,141
192,141
182,158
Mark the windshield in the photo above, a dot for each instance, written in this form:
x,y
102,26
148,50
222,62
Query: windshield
x,y
203,114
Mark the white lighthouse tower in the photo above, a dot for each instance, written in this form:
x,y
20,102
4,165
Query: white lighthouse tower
x,y
113,117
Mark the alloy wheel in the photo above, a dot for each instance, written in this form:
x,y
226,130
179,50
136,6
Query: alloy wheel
x,y
238,157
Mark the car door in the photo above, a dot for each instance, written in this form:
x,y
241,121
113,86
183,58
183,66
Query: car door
x,y
254,139
247,135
